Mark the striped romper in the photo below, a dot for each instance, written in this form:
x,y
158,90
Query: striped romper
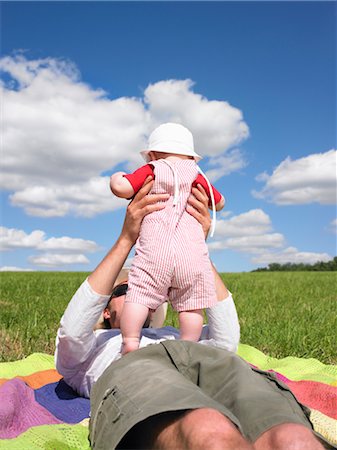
x,y
171,260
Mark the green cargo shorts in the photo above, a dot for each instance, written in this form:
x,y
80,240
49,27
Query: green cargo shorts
x,y
180,375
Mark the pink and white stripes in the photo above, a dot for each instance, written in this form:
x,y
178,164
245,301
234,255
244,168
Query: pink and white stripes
x,y
172,261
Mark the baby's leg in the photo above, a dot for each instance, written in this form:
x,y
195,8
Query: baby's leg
x,y
190,323
132,321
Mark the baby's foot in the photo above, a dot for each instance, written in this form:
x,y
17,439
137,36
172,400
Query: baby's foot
x,y
129,345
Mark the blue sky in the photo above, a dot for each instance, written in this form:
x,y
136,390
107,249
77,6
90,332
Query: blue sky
x,y
84,83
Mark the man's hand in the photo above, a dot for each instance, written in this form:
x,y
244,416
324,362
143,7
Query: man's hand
x,y
198,208
104,276
141,205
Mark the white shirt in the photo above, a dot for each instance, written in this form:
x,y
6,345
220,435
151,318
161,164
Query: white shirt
x,y
82,354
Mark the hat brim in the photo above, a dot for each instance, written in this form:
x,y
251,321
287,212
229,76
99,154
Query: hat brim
x,y
176,151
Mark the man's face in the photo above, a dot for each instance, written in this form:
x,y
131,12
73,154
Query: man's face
x,y
114,309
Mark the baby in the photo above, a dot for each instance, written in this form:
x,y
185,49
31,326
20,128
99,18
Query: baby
x,y
171,258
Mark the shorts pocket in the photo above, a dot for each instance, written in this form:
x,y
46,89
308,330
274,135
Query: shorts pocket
x,y
113,413
108,412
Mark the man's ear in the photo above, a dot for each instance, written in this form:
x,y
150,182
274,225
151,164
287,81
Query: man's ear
x,y
106,314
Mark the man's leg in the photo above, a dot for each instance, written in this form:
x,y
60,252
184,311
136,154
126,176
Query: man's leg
x,y
199,429
267,412
288,436
140,391
144,394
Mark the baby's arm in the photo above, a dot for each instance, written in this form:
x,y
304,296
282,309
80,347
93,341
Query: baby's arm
x,y
120,186
127,185
220,204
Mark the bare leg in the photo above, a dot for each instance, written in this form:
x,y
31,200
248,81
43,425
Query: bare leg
x,y
132,320
288,436
199,429
190,323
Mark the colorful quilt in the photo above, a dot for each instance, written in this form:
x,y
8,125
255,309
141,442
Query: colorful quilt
x,y
38,410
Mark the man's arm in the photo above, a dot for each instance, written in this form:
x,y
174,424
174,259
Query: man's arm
x,y
104,276
223,322
75,338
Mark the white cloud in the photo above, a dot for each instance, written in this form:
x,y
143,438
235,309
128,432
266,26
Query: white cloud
x,y
225,164
290,255
311,179
82,199
216,125
250,244
14,269
225,214
252,233
249,232
68,244
11,238
251,223
54,259
60,135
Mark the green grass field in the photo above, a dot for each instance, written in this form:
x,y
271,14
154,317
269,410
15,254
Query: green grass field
x,y
281,313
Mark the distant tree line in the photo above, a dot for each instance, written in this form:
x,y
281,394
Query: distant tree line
x,y
319,266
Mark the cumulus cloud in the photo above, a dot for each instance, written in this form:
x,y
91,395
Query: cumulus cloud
x,y
11,238
251,223
311,179
55,260
68,244
14,269
225,164
250,244
53,252
61,136
216,125
82,199
249,232
290,255
225,214
252,233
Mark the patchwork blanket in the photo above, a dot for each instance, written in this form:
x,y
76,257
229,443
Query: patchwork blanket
x,y
38,410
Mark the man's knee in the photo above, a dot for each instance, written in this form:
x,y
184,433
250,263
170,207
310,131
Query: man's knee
x,y
288,436
207,428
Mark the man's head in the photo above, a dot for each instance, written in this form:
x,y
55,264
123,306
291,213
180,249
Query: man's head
x,y
113,310
111,315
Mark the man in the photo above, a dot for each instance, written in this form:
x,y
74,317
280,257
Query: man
x,y
175,394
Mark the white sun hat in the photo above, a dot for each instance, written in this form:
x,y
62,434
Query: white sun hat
x,y
171,138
